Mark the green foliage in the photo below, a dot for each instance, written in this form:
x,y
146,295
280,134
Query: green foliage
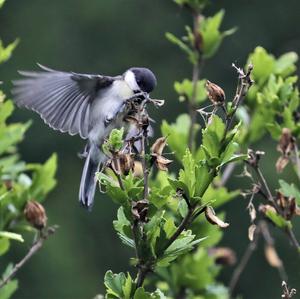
x,y
289,190
118,285
211,35
273,100
185,90
5,52
177,131
20,182
114,141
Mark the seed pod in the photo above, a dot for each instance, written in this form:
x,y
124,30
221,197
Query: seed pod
x,y
215,93
35,214
126,163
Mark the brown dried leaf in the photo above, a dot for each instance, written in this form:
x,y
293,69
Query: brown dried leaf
x,y
213,218
158,146
138,169
162,163
281,163
252,211
272,256
126,163
251,232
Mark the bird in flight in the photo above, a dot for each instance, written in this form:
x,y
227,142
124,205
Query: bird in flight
x,y
88,105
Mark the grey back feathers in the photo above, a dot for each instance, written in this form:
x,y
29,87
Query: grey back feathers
x,y
62,99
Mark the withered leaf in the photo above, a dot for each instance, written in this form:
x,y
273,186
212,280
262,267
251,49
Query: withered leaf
x,y
213,218
162,163
251,232
158,146
272,256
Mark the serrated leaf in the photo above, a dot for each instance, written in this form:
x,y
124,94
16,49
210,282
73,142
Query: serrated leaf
x,y
114,283
211,34
289,190
177,134
263,64
212,135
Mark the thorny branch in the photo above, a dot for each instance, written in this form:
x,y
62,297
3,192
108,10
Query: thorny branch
x,y
36,246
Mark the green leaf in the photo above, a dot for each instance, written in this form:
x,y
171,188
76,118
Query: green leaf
x,y
177,134
8,290
5,52
278,220
285,64
1,3
4,245
6,109
187,174
43,180
263,64
185,48
142,294
114,283
11,135
212,136
185,90
289,190
211,34
11,236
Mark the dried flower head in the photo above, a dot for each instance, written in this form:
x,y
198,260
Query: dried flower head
x,y
254,157
140,209
215,93
223,255
288,206
286,146
157,148
35,214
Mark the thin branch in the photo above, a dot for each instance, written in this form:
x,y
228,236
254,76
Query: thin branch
x,y
271,199
32,251
243,263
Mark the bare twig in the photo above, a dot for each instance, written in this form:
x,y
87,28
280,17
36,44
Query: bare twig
x,y
243,262
287,293
37,245
271,199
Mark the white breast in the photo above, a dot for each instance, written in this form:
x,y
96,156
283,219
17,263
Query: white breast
x,y
106,106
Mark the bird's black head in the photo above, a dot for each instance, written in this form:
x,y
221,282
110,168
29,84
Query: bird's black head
x,y
144,78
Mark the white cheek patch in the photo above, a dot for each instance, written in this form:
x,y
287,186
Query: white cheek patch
x,y
130,80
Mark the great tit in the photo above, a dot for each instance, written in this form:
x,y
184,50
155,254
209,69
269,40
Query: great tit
x,y
84,104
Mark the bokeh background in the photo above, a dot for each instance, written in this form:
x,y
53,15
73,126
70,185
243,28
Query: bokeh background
x,y
108,37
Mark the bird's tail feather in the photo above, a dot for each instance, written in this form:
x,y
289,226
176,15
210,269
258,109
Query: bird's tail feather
x,y
88,181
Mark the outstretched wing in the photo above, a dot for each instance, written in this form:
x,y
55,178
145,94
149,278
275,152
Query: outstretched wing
x,y
62,99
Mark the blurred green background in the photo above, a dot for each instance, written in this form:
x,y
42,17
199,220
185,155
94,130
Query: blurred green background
x,y
107,37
